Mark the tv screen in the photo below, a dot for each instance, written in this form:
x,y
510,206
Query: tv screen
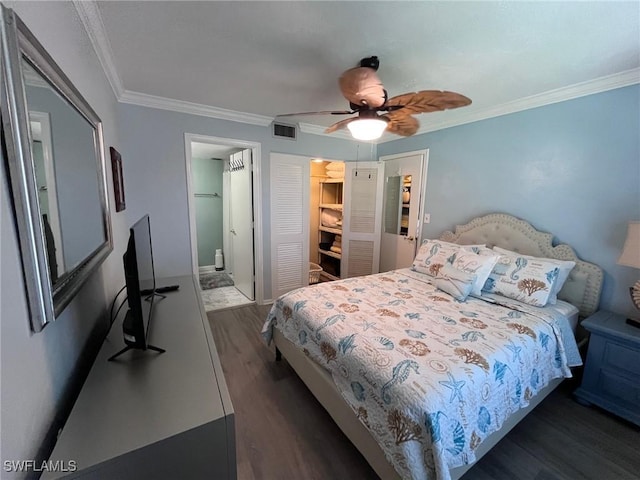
x,y
140,282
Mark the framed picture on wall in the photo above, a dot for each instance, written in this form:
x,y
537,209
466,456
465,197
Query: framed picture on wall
x,y
118,180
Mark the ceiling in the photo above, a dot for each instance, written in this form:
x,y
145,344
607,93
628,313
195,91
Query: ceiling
x,y
267,58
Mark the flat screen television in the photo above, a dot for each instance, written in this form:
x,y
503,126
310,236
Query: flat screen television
x,y
141,285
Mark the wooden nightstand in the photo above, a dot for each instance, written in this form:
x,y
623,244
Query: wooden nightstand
x,y
612,372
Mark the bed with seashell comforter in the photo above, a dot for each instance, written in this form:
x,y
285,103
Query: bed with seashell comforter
x,y
423,383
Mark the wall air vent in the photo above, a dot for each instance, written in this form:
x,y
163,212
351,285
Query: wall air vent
x,y
281,130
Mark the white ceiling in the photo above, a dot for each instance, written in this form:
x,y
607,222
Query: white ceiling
x,y
265,58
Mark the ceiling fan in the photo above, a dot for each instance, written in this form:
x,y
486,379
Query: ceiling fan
x,y
366,95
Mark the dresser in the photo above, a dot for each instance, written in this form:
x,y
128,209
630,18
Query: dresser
x,y
612,372
150,415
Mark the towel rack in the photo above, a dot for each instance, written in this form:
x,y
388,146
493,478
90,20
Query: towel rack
x,y
206,195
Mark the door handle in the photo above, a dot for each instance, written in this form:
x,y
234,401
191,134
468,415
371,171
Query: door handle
x,y
409,239
233,231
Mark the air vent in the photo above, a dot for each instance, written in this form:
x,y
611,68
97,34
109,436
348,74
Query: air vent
x,y
284,131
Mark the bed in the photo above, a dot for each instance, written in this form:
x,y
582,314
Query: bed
x,y
424,382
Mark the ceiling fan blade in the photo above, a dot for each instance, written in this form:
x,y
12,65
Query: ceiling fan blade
x,y
339,125
361,86
326,112
401,123
426,101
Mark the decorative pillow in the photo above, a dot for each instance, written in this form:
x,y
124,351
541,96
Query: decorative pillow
x,y
455,282
482,250
432,256
478,265
564,267
527,279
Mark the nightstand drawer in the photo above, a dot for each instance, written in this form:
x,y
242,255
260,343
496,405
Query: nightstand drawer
x,y
620,388
621,357
611,376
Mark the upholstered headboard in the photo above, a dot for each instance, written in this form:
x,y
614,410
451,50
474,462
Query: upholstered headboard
x,y
584,284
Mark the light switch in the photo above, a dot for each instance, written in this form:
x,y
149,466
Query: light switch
x,y
427,217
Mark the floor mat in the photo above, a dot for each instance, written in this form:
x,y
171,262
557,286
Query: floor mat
x,y
215,280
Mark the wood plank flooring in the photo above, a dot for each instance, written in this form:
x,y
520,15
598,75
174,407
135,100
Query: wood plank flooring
x,y
282,432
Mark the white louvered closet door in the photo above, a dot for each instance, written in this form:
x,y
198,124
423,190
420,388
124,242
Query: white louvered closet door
x,y
362,218
289,223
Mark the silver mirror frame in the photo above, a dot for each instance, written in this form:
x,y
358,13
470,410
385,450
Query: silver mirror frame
x,y
45,301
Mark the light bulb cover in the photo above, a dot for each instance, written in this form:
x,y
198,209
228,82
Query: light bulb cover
x,y
367,128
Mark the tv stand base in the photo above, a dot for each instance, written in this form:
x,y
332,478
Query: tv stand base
x,y
127,348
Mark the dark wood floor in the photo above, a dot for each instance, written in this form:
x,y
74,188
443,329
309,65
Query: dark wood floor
x,y
282,432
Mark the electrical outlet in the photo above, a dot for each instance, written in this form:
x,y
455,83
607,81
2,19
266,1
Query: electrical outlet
x,y
427,217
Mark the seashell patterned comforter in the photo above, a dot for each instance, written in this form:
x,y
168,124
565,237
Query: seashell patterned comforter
x,y
429,377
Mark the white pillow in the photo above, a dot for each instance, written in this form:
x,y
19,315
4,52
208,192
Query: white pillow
x,y
527,279
478,265
433,254
455,282
564,269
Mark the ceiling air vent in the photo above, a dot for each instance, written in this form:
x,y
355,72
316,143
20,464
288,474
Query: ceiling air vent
x,y
284,131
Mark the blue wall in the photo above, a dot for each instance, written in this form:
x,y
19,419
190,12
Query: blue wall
x,y
156,182
571,168
206,176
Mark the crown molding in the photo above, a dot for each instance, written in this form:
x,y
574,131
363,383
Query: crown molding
x,y
599,85
92,21
163,103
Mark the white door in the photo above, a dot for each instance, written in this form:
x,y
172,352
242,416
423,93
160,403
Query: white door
x,y
289,223
362,214
403,187
241,222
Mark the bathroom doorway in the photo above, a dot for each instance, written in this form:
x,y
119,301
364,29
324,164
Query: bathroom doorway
x,y
222,220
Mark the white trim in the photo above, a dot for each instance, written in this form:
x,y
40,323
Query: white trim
x,y
256,151
162,103
423,186
598,85
90,17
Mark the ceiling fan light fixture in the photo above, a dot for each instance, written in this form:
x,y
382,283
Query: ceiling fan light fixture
x,y
367,128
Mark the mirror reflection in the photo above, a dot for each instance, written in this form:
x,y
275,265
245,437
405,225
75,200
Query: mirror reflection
x,y
397,205
67,182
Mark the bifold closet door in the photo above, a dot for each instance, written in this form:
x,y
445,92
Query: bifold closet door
x,y
289,222
362,218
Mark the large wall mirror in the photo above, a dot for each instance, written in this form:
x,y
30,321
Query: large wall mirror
x,y
52,141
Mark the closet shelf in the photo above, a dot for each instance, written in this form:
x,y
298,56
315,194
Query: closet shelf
x,y
332,206
337,231
330,254
328,276
332,180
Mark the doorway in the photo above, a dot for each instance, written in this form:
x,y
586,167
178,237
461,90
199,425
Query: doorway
x,y
225,243
405,181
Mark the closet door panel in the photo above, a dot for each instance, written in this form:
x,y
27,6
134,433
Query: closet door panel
x,y
362,218
289,223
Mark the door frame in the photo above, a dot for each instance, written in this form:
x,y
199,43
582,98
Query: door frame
x,y
423,186
256,153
